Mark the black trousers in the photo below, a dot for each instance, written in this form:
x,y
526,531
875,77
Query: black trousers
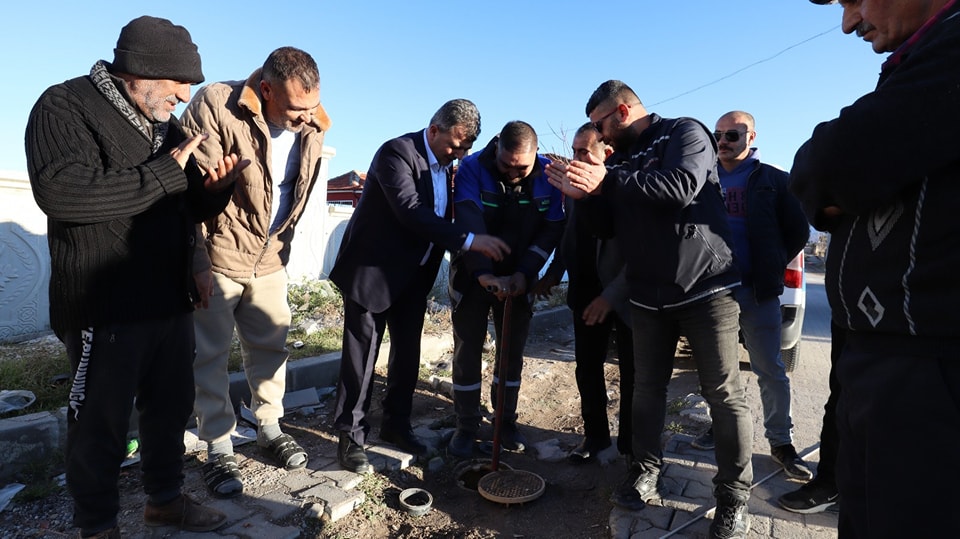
x,y
591,343
829,438
898,405
362,335
112,364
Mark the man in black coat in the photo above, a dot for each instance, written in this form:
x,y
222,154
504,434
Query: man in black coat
x,y
386,266
890,205
115,174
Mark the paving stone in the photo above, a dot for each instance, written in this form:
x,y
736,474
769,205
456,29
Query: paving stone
x,y
278,504
299,480
699,472
232,507
698,489
761,525
689,505
337,503
649,533
658,517
325,464
624,524
388,458
341,478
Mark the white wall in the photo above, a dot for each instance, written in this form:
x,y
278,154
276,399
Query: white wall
x,y
24,261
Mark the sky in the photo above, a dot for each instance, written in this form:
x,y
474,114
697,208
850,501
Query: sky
x,y
386,67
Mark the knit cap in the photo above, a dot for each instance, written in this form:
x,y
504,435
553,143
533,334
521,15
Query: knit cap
x,y
154,48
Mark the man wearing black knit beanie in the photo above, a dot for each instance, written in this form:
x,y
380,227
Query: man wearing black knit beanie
x,y
115,174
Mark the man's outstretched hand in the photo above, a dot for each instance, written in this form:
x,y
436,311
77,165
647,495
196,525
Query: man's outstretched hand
x,y
220,176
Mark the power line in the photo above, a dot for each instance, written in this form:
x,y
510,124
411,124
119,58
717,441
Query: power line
x,y
758,62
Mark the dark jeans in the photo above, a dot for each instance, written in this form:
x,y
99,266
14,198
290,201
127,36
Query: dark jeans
x,y
711,328
112,364
591,343
899,424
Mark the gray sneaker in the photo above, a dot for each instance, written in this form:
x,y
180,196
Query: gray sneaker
x,y
731,519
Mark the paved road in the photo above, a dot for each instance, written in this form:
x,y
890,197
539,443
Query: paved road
x,y
688,472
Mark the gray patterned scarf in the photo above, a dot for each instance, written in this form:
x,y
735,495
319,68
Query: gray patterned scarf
x,y
105,84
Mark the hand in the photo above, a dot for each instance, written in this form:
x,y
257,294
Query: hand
x,y
226,171
578,178
544,287
498,286
517,284
219,177
204,280
181,154
491,247
596,312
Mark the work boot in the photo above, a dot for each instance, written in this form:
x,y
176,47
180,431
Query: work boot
x,y
185,513
405,439
511,438
462,444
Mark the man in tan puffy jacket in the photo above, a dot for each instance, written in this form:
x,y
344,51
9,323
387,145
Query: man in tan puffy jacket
x,y
275,119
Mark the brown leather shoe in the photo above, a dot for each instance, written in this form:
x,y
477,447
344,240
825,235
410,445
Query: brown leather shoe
x,y
185,513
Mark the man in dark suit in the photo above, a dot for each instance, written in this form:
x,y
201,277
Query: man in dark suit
x,y
386,266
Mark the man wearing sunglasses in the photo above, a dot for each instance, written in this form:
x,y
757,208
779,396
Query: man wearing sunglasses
x,y
769,229
659,192
890,204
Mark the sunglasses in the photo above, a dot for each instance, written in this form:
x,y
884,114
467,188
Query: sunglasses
x,y
598,125
732,135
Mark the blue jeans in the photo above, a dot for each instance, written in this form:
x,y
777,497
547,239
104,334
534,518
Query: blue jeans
x,y
711,328
760,323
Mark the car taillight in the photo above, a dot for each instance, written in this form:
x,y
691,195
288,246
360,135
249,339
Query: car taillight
x,y
793,275
792,278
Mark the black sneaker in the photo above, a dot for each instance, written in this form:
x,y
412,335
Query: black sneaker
x,y
705,441
731,519
814,497
793,465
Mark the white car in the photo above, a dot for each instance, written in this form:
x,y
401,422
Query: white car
x,y
793,302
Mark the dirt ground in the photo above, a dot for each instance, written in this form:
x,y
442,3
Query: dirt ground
x,y
575,502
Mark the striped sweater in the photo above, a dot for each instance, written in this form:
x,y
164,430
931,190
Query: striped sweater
x,y
120,218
